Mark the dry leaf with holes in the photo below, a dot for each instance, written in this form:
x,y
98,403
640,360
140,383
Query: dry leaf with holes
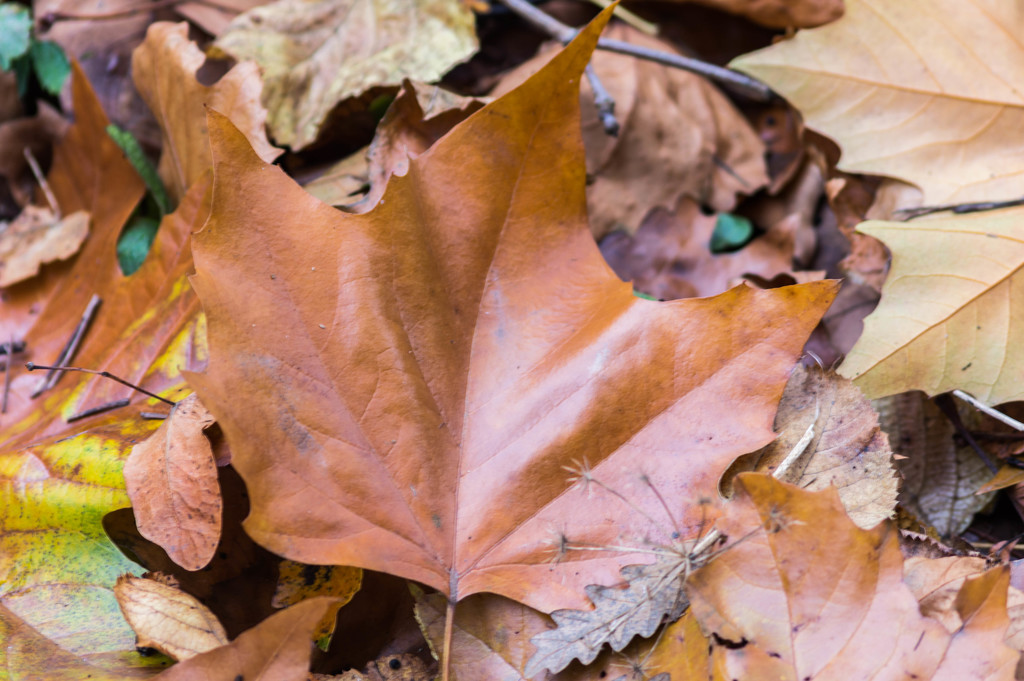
x,y
36,237
171,479
829,437
168,619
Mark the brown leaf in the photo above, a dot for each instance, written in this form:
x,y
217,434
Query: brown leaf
x,y
168,619
803,593
276,649
37,134
37,237
426,374
781,13
829,437
171,479
164,69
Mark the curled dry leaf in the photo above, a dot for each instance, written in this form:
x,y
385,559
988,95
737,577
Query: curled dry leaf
x,y
171,478
680,137
164,70
276,649
168,619
802,592
924,91
36,237
829,437
317,54
940,478
428,374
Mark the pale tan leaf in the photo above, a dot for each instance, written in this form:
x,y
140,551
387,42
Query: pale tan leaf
x,y
37,237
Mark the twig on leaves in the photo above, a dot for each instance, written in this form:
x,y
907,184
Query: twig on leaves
x,y
110,406
43,184
153,415
105,374
982,407
958,208
948,407
7,375
70,348
604,103
739,83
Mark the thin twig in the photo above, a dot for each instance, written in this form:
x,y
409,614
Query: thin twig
x,y
7,377
70,348
41,179
948,407
745,85
604,103
630,18
909,214
153,415
109,406
982,407
105,374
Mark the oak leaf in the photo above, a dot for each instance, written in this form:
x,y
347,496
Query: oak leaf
x,y
316,54
927,92
418,383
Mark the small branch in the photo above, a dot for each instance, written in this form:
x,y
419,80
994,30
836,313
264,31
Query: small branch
x,y
604,103
745,85
70,348
630,18
105,374
982,407
909,214
41,179
110,406
153,415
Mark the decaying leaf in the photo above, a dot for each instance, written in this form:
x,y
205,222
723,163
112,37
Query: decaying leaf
x,y
680,137
829,437
297,582
37,237
164,70
171,479
946,320
802,592
924,91
940,478
426,374
168,619
317,54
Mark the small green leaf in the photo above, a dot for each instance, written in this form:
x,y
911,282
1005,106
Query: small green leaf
x,y
22,68
640,294
51,65
731,232
15,32
133,245
130,146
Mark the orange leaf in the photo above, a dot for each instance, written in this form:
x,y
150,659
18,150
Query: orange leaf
x,y
418,378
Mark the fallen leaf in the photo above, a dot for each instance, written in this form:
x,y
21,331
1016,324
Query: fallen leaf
x,y
926,92
941,480
168,619
780,13
802,592
829,437
669,256
850,198
317,54
297,582
37,237
392,371
171,479
164,70
276,649
214,19
37,134
945,317
680,137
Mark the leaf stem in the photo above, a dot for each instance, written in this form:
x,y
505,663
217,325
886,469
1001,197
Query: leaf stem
x,y
446,648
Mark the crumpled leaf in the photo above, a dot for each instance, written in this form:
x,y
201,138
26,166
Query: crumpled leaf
x,y
941,480
171,479
946,318
927,92
168,619
317,54
802,592
36,237
276,649
680,137
164,70
392,370
297,582
829,437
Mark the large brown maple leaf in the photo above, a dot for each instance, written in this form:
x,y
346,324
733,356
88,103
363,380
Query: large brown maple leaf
x,y
403,390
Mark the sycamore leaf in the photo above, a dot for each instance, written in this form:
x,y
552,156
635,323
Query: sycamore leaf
x,y
946,320
164,70
171,479
168,619
427,372
316,54
927,91
37,236
802,592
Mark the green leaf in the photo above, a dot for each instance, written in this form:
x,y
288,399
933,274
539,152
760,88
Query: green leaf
x,y
133,245
50,64
15,33
22,68
130,146
731,232
640,294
